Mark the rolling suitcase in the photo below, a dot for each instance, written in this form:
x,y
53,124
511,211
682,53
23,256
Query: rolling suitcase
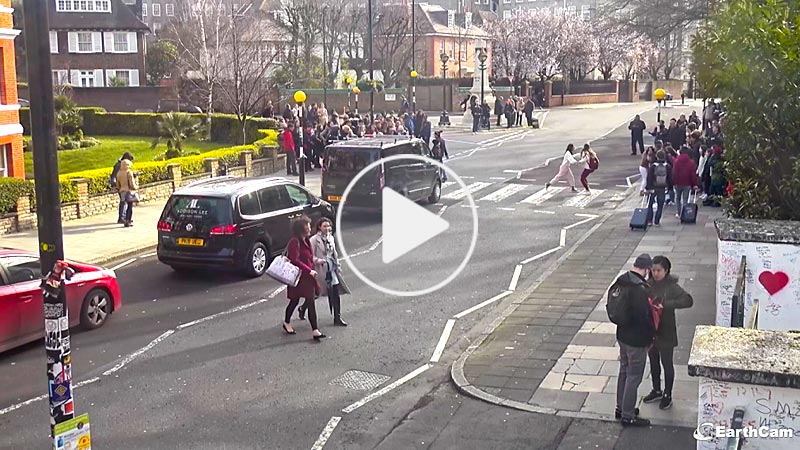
x,y
689,210
641,216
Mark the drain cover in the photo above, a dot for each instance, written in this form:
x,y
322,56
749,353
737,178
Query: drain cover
x,y
359,380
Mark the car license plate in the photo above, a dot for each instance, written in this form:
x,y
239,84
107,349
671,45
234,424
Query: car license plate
x,y
334,198
190,242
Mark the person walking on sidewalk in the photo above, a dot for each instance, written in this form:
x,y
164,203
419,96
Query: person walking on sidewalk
x,y
659,181
565,170
684,175
123,204
637,127
629,308
127,186
301,255
592,163
666,290
329,273
648,158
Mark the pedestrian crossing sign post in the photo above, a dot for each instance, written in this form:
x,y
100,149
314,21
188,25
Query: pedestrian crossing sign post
x,y
73,434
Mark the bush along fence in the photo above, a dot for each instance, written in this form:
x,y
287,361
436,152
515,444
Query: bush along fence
x,y
87,193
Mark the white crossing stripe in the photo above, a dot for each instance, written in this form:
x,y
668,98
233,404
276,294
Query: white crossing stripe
x,y
447,184
503,193
618,197
582,200
542,196
471,189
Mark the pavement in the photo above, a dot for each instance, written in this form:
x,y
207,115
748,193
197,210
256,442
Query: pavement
x,y
100,239
555,352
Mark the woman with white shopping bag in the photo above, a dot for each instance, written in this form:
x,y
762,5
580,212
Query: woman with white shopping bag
x,y
301,255
329,273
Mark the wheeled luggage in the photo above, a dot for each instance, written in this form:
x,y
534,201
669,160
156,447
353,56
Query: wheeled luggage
x,y
689,210
641,216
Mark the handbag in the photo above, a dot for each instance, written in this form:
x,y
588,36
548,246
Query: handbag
x,y
133,197
282,270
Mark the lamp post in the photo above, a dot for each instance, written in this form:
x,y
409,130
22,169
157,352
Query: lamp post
x,y
349,81
356,91
324,60
414,76
482,57
371,62
659,94
444,119
300,98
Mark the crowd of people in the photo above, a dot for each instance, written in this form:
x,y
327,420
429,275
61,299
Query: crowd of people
x,y
686,156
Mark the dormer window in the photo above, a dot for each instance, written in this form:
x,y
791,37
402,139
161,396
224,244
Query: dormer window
x,y
83,5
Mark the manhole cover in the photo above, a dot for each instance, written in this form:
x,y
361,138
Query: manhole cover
x,y
359,380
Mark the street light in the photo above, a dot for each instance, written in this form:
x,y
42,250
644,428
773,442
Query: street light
x,y
356,91
659,94
300,98
414,76
444,119
482,57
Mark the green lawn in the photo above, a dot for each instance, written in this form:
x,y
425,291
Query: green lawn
x,y
109,151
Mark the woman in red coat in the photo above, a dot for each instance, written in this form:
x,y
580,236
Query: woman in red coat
x,y
300,254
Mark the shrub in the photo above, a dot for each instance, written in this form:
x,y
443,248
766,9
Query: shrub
x,y
11,189
271,123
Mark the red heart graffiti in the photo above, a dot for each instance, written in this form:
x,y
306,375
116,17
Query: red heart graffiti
x,y
773,282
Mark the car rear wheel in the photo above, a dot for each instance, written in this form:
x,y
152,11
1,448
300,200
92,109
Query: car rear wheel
x,y
95,309
436,193
257,260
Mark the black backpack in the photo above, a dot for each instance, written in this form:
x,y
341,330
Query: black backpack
x,y
660,174
112,180
617,305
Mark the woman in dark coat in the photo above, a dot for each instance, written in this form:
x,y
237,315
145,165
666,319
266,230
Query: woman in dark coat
x,y
301,255
665,288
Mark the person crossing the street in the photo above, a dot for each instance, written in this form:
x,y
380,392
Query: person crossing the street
x,y
565,169
329,272
301,255
592,163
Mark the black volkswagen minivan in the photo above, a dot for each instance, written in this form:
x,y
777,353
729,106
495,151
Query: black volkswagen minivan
x,y
233,223
415,179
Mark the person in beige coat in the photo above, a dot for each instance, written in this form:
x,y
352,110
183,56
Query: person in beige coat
x,y
329,273
127,187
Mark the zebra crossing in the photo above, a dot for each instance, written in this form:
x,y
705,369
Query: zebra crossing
x,y
513,196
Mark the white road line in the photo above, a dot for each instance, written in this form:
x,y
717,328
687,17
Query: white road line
x,y
472,188
463,205
326,433
376,244
482,304
222,313
628,179
85,382
467,178
507,209
497,178
583,200
20,405
515,278
276,292
147,255
437,352
540,255
593,216
447,184
512,171
503,193
121,265
386,389
539,211
588,219
544,116
441,211
563,237
125,361
542,196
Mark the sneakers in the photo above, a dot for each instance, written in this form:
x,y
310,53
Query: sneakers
x,y
653,396
635,422
547,186
666,402
618,413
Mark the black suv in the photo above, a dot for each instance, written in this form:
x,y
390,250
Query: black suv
x,y
233,223
417,180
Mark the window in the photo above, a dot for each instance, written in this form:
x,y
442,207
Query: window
x,y
248,204
120,42
506,13
156,9
85,42
299,196
86,78
506,1
60,77
441,47
572,10
453,50
586,13
477,2
144,9
273,199
5,152
519,1
53,42
170,9
685,43
83,6
122,77
463,51
21,268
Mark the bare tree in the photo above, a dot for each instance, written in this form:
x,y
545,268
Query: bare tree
x,y
352,26
301,21
392,46
657,18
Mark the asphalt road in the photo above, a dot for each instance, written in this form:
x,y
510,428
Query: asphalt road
x,y
235,381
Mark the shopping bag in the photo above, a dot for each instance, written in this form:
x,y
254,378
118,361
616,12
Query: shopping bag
x,y
282,270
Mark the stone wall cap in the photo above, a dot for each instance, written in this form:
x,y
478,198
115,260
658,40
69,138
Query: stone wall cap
x,y
756,230
79,180
741,355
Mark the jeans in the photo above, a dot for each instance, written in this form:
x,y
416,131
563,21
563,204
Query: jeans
x,y
662,357
291,163
475,122
681,197
632,361
660,196
308,306
123,206
637,140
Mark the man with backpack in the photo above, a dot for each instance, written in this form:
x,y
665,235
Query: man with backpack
x,y
112,181
629,307
659,181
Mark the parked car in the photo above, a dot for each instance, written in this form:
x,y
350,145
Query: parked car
x,y
233,223
92,296
415,179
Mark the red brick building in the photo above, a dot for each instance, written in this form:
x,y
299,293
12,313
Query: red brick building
x,y
12,163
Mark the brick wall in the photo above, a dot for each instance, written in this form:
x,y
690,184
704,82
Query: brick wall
x,y
8,224
582,99
9,97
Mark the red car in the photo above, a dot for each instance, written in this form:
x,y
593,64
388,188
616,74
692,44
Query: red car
x,y
92,295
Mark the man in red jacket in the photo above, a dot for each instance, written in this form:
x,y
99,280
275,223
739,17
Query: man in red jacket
x,y
684,178
288,147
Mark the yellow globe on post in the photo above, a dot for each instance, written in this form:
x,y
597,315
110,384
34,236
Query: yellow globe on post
x,y
414,74
299,97
659,94
356,90
348,80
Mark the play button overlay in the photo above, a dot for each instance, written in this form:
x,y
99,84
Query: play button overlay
x,y
417,248
406,225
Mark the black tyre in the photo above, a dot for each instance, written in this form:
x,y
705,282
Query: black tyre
x,y
258,259
95,309
436,192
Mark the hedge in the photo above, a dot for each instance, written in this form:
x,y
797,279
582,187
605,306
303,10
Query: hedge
x,y
11,189
97,122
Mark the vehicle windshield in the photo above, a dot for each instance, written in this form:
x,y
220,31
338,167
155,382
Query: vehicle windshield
x,y
205,211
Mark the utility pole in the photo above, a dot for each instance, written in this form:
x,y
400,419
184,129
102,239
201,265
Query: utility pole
x,y
324,59
371,63
48,208
413,56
